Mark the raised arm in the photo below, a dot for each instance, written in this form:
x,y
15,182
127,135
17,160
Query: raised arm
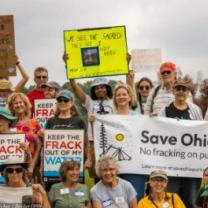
x,y
80,94
25,76
130,80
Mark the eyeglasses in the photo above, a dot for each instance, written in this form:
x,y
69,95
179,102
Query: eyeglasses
x,y
144,87
166,72
181,88
11,170
41,77
63,100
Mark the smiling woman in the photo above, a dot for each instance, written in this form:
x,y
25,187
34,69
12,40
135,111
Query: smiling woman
x,y
158,197
20,107
16,180
69,192
111,191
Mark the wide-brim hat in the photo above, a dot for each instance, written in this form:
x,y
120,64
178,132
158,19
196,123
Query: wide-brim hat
x,y
5,85
13,162
6,113
99,81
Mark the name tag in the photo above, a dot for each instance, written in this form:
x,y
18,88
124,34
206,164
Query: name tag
x,y
165,205
107,203
64,191
119,200
79,193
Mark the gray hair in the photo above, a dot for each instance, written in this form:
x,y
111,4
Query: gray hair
x,y
105,161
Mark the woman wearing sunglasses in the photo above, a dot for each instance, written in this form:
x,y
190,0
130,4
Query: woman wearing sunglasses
x,y
158,197
180,108
143,88
67,117
15,174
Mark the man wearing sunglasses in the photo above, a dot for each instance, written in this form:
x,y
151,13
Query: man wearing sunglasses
x,y
162,94
40,78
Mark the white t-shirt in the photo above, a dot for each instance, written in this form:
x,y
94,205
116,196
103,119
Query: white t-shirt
x,y
97,107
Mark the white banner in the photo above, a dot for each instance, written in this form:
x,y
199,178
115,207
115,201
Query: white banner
x,y
44,109
142,144
61,145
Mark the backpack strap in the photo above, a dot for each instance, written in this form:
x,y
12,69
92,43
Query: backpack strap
x,y
153,97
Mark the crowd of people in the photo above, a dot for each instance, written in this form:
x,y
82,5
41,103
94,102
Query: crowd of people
x,y
175,97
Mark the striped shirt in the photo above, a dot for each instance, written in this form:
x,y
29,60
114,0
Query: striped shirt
x,y
163,98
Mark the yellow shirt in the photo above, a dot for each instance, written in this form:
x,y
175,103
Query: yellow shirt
x,y
147,203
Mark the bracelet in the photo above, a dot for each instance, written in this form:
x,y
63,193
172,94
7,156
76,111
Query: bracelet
x,y
17,63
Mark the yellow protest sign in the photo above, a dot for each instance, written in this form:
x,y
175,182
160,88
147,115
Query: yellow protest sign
x,y
96,52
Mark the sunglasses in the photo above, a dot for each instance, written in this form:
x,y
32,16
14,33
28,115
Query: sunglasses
x,y
166,72
181,88
158,179
144,87
63,100
41,77
11,170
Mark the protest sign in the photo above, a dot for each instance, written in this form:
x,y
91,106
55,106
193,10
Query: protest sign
x,y
7,46
144,60
61,145
10,195
96,52
142,144
10,148
44,109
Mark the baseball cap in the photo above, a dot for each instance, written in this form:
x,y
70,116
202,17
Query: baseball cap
x,y
182,82
66,94
167,66
52,84
158,173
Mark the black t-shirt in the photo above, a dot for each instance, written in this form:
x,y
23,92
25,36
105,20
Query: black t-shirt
x,y
66,123
172,112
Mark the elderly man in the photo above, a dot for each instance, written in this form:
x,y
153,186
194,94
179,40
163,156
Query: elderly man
x,y
162,94
40,78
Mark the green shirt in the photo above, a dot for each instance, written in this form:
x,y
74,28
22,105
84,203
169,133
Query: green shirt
x,y
61,196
